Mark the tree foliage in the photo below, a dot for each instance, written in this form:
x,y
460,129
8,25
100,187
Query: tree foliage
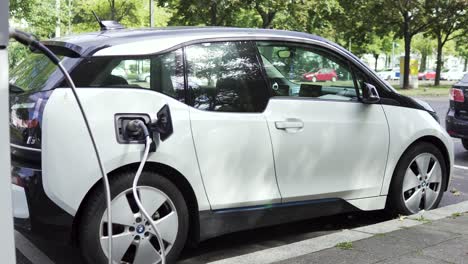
x,y
364,26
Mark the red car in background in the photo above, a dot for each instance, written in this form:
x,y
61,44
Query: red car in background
x,y
320,75
427,75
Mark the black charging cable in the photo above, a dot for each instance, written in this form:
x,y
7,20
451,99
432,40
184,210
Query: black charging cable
x,y
29,41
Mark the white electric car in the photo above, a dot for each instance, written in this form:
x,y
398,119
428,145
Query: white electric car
x,y
252,144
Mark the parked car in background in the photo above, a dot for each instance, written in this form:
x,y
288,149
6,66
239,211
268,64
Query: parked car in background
x,y
144,77
389,74
427,75
321,75
456,121
452,75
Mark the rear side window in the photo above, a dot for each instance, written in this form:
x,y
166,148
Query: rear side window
x,y
162,73
35,73
225,77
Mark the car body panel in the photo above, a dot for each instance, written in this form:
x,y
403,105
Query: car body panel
x,y
66,144
310,158
407,125
234,154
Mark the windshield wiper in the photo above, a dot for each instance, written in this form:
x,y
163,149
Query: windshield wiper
x,y
15,89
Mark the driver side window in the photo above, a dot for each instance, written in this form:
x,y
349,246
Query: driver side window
x,y
299,71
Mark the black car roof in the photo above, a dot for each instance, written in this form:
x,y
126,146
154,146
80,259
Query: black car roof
x,y
88,42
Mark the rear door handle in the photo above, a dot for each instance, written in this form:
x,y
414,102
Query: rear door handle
x,y
289,124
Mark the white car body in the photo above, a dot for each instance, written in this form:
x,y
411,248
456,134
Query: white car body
x,y
294,151
452,75
389,74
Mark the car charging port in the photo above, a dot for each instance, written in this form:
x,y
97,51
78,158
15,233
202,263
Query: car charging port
x,y
127,131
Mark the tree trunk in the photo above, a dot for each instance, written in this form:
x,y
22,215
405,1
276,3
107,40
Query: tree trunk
x,y
112,9
422,67
214,11
439,61
406,63
376,56
466,64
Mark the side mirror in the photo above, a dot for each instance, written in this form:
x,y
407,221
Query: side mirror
x,y
370,94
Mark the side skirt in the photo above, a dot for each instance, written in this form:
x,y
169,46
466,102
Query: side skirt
x,y
218,222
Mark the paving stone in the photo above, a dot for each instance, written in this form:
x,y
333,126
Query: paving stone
x,y
386,246
424,236
333,256
415,258
295,249
388,226
448,226
453,251
428,215
450,209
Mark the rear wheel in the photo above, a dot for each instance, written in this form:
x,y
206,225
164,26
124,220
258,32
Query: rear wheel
x,y
465,143
133,239
419,180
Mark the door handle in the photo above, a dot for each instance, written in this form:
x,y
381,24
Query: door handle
x,y
288,124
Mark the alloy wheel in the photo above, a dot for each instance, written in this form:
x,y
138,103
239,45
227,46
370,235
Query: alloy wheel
x,y
133,238
422,183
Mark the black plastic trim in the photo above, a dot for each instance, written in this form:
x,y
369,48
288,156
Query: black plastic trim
x,y
218,222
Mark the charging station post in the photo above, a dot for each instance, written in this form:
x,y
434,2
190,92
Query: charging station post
x,y
7,253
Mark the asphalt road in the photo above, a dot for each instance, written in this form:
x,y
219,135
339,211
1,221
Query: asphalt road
x,y
459,185
254,240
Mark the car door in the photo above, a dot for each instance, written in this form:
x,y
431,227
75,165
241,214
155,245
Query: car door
x,y
326,143
228,96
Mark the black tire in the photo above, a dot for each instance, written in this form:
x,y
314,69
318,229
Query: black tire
x,y
88,232
465,143
396,203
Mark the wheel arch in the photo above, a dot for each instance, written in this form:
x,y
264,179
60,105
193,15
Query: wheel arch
x,y
168,172
436,142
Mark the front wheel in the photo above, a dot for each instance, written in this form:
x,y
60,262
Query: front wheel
x,y
419,180
314,79
133,239
465,143
333,79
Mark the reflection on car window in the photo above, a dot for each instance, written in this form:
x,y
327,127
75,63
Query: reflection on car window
x,y
226,77
162,73
302,72
33,73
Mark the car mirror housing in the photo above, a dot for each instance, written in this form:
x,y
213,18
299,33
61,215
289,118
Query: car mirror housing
x,y
370,95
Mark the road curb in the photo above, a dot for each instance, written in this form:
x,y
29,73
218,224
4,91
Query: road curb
x,y
328,241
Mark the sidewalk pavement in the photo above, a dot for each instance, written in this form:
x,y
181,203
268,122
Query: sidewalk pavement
x,y
437,236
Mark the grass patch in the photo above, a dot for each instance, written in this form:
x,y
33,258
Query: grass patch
x,y
425,90
345,245
455,215
421,219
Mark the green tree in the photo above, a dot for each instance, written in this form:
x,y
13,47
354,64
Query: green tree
x,y
408,18
449,22
203,12
425,47
461,48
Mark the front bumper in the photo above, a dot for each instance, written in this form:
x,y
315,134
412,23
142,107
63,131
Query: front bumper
x,y
456,127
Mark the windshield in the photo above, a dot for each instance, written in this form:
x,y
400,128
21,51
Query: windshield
x,y
33,74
